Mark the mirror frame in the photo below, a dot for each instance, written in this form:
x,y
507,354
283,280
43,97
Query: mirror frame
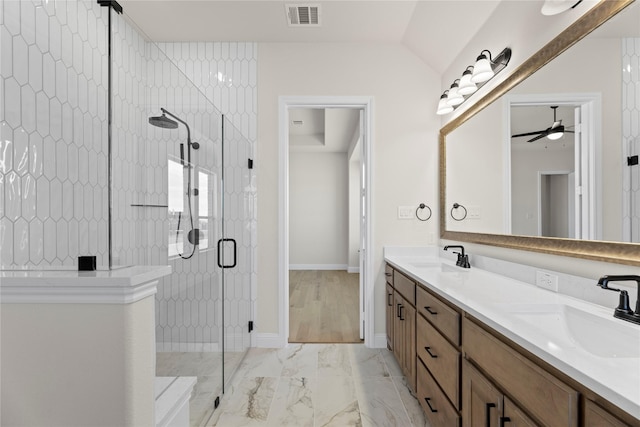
x,y
614,252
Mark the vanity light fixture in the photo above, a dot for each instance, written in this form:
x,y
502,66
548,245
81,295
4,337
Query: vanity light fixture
x,y
473,78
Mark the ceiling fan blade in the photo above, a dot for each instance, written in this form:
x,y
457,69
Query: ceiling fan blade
x,y
542,135
528,133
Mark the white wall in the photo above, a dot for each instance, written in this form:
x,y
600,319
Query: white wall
x,y
318,210
404,147
525,167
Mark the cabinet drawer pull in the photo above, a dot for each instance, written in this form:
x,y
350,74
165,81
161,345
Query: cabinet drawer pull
x,y
401,313
504,420
427,399
428,308
488,413
387,274
389,300
398,305
428,349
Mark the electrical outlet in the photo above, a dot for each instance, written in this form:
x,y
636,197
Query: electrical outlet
x,y
405,212
547,281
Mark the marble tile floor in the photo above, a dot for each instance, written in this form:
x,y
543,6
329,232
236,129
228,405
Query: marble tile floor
x,y
318,385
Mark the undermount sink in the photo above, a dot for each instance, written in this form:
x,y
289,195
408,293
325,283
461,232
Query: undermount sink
x,y
598,335
443,268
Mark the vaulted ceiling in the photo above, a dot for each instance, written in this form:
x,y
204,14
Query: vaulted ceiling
x,y
435,30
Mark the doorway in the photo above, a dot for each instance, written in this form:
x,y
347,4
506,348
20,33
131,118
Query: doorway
x,y
531,156
291,173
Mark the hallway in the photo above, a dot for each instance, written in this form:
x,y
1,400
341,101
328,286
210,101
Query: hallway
x,y
323,306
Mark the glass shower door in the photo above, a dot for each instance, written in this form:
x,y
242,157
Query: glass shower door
x,y
236,246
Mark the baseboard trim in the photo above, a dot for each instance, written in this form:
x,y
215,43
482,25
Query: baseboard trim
x,y
317,266
380,341
269,340
353,269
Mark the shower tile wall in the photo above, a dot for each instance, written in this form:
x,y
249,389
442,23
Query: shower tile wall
x,y
226,73
53,120
631,136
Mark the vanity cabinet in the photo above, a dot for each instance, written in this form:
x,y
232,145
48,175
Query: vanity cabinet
x,y
465,373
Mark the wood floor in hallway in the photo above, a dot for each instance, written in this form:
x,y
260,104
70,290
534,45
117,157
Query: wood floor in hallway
x,y
323,306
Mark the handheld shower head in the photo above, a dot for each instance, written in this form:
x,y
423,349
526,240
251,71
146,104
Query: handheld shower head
x,y
163,122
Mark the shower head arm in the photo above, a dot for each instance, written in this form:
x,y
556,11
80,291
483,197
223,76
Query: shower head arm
x,y
181,121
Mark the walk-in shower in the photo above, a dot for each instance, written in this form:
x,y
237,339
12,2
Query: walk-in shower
x,y
193,235
84,172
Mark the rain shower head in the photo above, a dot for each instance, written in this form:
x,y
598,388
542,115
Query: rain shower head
x,y
163,122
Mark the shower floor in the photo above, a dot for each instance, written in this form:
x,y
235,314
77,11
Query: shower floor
x,y
207,368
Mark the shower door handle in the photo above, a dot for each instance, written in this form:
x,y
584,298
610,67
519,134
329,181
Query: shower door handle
x,y
235,253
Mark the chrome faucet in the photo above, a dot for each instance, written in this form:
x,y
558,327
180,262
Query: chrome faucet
x,y
463,260
623,311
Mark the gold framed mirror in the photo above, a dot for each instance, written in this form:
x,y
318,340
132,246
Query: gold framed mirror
x,y
607,251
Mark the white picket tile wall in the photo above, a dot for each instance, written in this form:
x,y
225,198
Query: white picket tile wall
x,y
631,136
53,130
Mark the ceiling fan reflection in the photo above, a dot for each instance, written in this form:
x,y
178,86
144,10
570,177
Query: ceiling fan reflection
x,y
553,132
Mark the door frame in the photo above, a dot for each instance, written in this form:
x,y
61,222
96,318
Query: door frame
x,y
285,103
590,156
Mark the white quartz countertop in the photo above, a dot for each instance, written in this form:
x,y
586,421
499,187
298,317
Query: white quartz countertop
x,y
579,338
121,285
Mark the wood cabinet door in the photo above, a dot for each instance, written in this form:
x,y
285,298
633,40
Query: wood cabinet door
x,y
409,315
390,316
595,416
398,330
514,417
482,402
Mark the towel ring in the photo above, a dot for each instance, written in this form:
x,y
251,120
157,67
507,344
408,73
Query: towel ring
x,y
422,206
456,206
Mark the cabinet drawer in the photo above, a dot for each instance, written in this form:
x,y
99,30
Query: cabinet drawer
x,y
405,286
443,317
441,358
434,403
540,393
388,274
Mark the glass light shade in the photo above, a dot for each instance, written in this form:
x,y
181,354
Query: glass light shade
x,y
454,98
467,87
443,107
482,70
555,135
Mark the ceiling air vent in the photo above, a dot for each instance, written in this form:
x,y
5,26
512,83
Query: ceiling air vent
x,y
299,15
